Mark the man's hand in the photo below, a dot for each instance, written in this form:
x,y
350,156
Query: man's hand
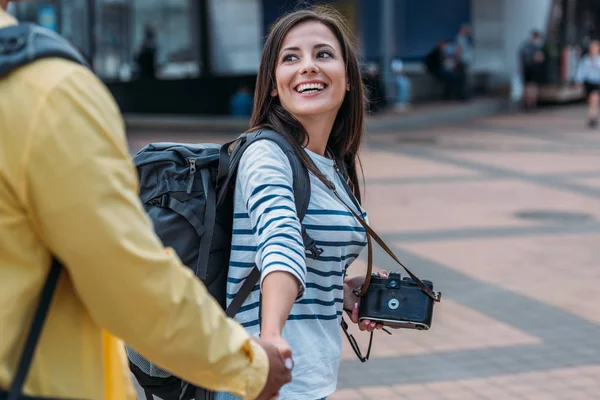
x,y
351,301
280,367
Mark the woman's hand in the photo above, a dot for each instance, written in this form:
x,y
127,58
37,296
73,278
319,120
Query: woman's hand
x,y
352,301
282,346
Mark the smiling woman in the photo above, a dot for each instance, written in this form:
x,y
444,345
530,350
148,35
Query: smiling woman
x,y
309,90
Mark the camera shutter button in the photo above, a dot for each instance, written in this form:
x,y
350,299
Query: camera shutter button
x,y
393,304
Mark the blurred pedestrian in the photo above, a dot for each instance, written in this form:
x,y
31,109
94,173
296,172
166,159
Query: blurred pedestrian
x,y
464,54
531,56
588,74
440,62
68,190
402,86
309,90
146,57
241,103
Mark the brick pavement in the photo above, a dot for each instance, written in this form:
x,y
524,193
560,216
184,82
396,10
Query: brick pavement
x,y
520,315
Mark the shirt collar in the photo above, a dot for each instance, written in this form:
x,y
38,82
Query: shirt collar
x,y
6,19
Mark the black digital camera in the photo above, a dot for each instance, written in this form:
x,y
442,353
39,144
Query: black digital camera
x,y
397,303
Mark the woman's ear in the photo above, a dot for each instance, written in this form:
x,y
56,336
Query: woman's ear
x,y
347,87
274,93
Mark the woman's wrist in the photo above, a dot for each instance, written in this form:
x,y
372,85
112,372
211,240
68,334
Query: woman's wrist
x,y
269,334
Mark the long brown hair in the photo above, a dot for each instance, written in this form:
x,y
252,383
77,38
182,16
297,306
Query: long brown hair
x,y
346,133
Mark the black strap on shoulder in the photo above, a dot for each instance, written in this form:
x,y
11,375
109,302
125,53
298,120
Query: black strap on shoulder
x,y
243,293
35,330
301,188
25,43
210,215
301,180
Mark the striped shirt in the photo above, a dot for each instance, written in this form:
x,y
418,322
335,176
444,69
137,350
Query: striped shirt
x,y
589,70
267,232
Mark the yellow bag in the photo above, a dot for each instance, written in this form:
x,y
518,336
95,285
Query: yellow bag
x,y
117,379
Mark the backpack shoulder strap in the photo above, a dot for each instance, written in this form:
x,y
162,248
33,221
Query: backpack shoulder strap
x,y
228,169
301,179
25,43
301,188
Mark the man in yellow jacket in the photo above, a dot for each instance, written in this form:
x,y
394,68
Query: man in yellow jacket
x,y
68,188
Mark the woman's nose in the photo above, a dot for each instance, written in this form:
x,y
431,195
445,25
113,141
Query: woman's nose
x,y
309,66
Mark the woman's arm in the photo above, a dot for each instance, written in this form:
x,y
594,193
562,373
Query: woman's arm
x,y
279,292
266,181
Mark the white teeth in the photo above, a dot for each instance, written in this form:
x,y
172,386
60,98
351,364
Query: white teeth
x,y
310,86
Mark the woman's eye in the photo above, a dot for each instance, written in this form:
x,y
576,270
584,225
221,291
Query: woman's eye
x,y
289,57
324,54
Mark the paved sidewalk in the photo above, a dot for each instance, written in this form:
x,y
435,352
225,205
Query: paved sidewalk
x,y
503,214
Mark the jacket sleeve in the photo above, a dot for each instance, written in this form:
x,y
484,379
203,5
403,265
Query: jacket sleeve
x,y
81,191
265,180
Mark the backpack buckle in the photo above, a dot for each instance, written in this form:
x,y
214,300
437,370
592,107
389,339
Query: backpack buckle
x,y
164,200
160,201
314,252
12,44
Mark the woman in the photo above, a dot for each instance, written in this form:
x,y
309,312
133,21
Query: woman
x,y
309,90
532,60
588,73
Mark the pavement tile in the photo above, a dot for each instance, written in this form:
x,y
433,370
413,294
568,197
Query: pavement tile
x,y
377,393
592,182
537,163
380,164
455,327
347,394
554,270
413,207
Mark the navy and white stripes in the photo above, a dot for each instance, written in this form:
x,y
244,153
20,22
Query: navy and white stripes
x,y
267,232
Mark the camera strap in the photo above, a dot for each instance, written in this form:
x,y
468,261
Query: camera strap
x,y
354,344
372,234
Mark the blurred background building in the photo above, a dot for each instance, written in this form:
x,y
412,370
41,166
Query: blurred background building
x,y
191,56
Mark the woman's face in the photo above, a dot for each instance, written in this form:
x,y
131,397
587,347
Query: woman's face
x,y
595,48
310,73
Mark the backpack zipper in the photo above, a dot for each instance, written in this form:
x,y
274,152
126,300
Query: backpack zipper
x,y
192,162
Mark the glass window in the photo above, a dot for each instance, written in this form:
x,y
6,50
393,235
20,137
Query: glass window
x,y
136,39
111,33
236,36
171,28
74,24
126,39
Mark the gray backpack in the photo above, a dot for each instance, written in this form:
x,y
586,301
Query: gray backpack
x,y
25,43
187,190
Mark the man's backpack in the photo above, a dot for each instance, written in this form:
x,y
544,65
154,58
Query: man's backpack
x,y
187,190
25,43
